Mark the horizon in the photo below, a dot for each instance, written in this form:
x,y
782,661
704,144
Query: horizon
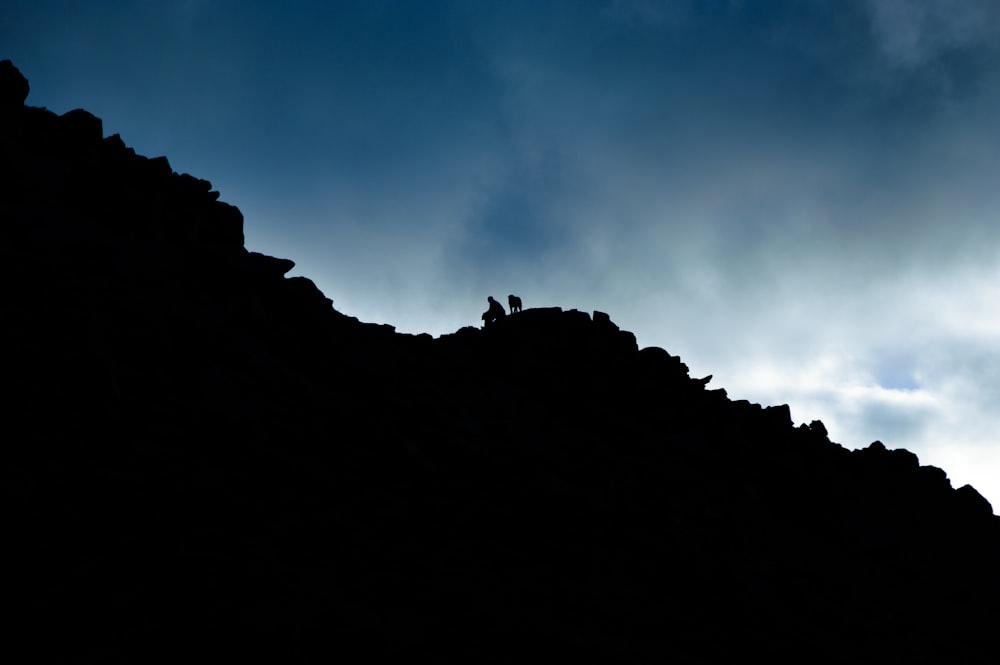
x,y
792,197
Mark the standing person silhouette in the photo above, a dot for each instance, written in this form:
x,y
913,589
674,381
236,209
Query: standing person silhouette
x,y
494,313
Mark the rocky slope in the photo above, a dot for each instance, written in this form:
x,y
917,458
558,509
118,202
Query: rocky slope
x,y
205,459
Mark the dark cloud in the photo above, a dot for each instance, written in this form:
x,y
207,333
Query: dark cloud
x,y
913,34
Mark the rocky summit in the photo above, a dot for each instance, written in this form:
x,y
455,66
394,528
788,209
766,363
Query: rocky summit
x,y
206,461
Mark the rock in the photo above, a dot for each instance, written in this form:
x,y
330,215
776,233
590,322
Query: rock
x,y
80,128
219,459
817,427
267,267
604,319
779,416
972,502
225,228
13,86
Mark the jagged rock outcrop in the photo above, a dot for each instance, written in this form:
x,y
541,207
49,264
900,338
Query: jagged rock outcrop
x,y
205,457
13,85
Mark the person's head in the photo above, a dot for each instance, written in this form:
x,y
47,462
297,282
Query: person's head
x,y
489,298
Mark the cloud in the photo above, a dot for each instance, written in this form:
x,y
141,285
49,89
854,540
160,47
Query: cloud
x,y
912,33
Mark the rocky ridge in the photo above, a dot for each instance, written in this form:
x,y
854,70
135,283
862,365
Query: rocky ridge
x,y
205,456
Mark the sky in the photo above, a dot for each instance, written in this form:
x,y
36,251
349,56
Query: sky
x,y
796,196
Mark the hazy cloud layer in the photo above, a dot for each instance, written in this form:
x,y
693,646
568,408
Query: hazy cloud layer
x,y
796,196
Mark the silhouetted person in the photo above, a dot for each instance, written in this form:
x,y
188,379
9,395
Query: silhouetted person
x,y
514,303
494,313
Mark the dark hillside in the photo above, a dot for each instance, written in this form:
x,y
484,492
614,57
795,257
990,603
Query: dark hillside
x,y
205,460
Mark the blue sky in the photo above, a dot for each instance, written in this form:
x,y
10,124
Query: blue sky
x,y
798,197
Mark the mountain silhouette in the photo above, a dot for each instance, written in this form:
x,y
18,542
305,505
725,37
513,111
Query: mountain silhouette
x,y
205,460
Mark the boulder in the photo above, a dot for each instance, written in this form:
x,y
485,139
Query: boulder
x,y
79,128
13,86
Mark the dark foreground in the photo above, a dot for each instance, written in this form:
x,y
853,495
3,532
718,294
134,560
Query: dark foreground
x,y
205,460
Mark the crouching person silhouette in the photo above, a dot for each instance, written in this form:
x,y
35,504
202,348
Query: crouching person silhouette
x,y
494,313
